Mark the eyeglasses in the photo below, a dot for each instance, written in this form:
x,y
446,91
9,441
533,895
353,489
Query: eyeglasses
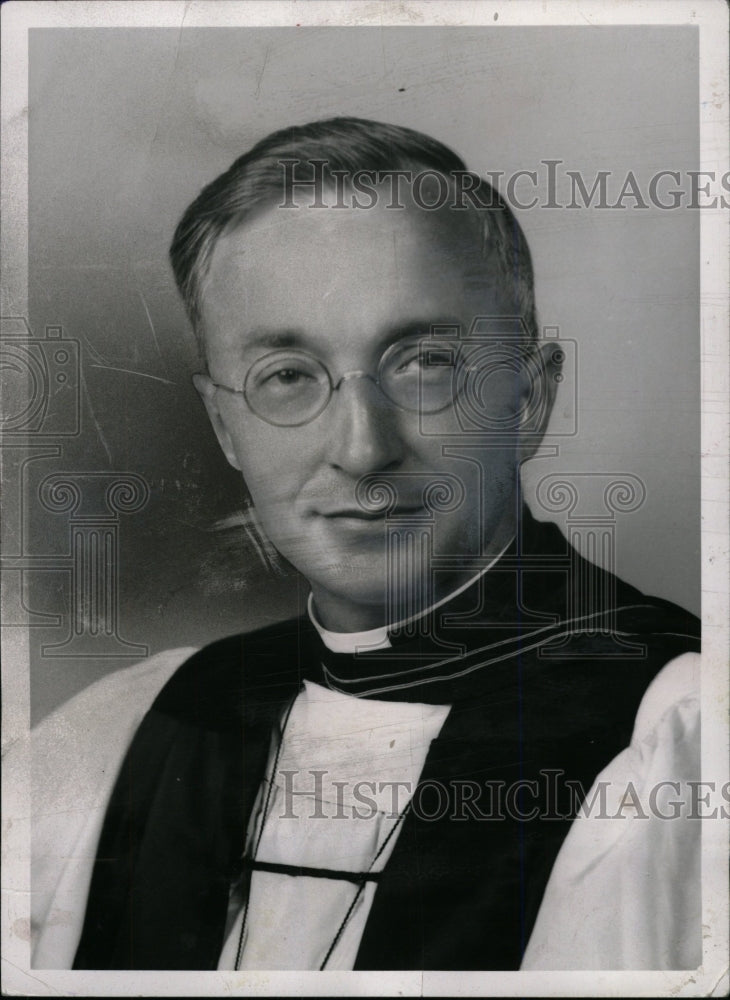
x,y
291,388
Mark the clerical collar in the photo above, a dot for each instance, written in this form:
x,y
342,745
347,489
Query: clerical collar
x,y
379,638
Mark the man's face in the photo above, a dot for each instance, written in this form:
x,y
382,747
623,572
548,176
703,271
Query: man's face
x,y
343,285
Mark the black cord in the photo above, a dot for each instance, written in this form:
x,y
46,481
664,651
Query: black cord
x,y
337,874
274,769
363,882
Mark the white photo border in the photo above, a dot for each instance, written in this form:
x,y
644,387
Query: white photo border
x,y
711,19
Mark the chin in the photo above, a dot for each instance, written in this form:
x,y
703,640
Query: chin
x,y
365,583
348,581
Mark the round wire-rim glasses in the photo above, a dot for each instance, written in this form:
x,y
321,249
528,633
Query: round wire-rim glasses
x,y
420,376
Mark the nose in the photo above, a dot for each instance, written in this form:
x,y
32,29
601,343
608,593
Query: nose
x,y
363,432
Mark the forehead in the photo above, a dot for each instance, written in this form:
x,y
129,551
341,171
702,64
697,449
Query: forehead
x,y
347,271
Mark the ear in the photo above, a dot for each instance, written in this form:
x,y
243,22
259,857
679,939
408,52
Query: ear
x,y
541,375
209,394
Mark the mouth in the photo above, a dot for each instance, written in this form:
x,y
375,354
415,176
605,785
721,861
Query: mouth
x,y
357,514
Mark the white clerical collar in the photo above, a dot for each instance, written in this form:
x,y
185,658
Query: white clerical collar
x,y
378,638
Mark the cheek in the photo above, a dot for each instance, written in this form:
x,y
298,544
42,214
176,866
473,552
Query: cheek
x,y
272,464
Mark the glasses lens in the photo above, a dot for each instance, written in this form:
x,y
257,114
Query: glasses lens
x,y
421,374
287,388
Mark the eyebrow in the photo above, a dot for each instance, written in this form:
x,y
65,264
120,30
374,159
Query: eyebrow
x,y
263,337
274,338
414,327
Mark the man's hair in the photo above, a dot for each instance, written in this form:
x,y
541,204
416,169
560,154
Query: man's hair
x,y
347,146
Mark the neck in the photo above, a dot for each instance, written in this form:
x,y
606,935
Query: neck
x,y
338,614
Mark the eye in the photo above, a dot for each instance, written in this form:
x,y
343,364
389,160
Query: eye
x,y
286,373
439,357
288,376
407,360
429,360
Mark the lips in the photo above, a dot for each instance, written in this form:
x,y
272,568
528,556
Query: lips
x,y
360,515
357,513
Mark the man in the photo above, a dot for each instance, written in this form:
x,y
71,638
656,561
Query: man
x,y
391,782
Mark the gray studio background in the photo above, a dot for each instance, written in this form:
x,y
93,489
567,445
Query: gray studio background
x,y
125,127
